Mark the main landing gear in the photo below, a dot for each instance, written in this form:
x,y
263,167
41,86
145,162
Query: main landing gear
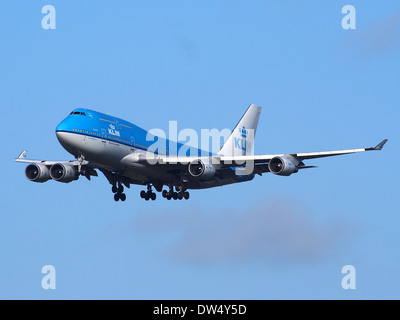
x,y
181,194
118,192
149,194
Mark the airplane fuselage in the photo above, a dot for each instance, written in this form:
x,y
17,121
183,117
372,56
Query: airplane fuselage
x,y
115,145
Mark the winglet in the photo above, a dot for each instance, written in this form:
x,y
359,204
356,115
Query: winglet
x,y
379,146
23,155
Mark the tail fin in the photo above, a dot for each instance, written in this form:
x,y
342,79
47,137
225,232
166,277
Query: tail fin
x,y
241,140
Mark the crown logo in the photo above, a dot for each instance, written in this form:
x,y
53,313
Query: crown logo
x,y
243,132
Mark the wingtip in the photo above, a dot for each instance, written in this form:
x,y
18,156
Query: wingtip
x,y
381,145
23,154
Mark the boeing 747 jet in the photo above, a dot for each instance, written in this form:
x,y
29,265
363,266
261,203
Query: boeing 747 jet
x,y
126,155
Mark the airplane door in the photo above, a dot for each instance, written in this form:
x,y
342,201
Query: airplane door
x,y
103,135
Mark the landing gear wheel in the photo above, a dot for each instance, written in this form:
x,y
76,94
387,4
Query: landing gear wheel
x,y
165,193
186,195
142,194
120,188
114,189
153,196
180,196
175,195
122,196
116,196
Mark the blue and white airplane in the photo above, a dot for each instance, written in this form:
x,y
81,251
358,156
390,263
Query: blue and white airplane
x,y
121,151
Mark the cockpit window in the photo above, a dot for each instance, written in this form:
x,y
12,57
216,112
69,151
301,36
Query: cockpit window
x,y
78,112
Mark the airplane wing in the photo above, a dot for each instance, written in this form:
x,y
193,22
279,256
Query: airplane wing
x,y
300,156
22,158
260,161
40,169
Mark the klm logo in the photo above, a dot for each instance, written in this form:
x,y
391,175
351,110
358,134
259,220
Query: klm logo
x,y
241,143
243,132
113,132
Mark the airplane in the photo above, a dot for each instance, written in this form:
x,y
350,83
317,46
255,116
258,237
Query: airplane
x,y
126,156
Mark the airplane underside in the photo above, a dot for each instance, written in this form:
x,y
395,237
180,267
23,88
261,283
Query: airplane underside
x,y
114,161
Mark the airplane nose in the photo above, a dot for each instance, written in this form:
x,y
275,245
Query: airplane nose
x,y
60,129
61,135
62,132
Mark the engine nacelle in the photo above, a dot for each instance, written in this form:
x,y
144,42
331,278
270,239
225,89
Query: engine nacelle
x,y
284,165
201,169
37,172
63,172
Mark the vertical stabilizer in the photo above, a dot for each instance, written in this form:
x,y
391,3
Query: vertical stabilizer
x,y
241,140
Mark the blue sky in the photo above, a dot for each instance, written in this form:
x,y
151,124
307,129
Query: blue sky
x,y
202,63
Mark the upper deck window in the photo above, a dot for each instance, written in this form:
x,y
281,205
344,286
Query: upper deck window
x,y
78,112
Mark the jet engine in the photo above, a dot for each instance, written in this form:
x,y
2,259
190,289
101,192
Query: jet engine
x,y
201,169
37,172
63,172
284,165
